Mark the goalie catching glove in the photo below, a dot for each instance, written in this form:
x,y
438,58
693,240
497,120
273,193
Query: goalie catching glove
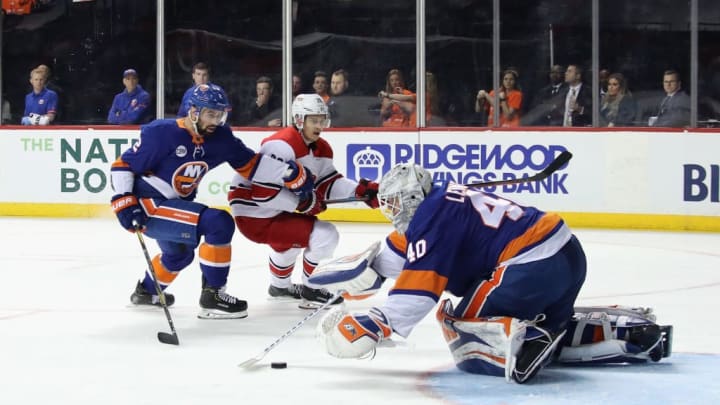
x,y
368,190
353,336
128,211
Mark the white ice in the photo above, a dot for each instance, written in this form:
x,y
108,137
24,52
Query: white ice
x,y
69,336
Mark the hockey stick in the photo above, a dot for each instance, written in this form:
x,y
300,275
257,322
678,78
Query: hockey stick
x,y
163,337
556,164
346,200
251,361
559,161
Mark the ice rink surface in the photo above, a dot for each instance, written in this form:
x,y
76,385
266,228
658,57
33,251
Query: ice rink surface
x,y
69,336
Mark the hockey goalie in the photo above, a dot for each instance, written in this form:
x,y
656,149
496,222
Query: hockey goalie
x,y
516,269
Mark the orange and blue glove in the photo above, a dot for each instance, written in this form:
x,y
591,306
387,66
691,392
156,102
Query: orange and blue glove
x,y
129,212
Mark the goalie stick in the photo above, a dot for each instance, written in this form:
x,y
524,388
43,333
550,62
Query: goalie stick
x,y
559,162
556,164
346,200
251,361
163,337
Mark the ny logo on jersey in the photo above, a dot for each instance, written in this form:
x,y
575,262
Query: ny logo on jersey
x,y
187,177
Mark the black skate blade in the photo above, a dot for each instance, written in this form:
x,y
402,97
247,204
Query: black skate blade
x,y
168,339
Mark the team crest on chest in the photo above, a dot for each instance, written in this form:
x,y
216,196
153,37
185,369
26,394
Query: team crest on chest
x,y
181,151
187,177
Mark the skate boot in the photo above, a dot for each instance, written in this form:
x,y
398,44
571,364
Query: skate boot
x,y
313,298
216,304
292,292
142,297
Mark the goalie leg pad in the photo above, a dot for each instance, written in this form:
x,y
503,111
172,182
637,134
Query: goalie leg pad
x,y
482,345
615,335
351,274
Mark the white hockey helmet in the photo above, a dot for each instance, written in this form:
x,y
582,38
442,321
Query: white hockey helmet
x,y
401,191
309,104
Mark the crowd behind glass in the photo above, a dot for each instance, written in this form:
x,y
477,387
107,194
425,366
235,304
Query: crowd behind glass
x,y
91,63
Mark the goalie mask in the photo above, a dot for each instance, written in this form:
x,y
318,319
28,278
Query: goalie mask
x,y
309,104
401,191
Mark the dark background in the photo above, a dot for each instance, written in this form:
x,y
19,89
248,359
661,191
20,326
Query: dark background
x,y
89,44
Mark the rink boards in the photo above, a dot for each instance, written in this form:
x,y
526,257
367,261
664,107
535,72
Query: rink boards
x,y
617,179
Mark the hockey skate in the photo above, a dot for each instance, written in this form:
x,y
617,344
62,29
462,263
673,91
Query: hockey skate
x,y
216,304
141,297
313,298
291,292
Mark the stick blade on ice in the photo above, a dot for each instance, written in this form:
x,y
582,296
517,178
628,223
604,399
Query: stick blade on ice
x,y
249,362
168,339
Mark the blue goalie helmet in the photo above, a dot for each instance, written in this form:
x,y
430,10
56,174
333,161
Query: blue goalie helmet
x,y
210,96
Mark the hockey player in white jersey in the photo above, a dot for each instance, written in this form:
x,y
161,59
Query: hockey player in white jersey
x,y
517,270
286,221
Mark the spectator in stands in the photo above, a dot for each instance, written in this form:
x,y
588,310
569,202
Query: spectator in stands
x,y
509,97
603,77
432,103
617,108
263,105
397,102
41,102
339,83
296,85
321,85
336,104
577,109
200,75
674,109
131,105
45,70
547,105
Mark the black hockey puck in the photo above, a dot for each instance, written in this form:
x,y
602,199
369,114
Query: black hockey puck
x,y
278,364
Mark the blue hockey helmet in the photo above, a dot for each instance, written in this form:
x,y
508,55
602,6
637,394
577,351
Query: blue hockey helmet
x,y
210,96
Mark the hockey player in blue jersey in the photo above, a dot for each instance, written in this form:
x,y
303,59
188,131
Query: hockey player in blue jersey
x,y
156,181
517,269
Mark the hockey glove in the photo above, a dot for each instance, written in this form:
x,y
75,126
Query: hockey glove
x,y
353,336
298,179
128,211
311,204
367,189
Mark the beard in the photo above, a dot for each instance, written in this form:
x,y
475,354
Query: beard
x,y
208,130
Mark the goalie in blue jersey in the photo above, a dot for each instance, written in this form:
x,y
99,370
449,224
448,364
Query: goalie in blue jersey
x,y
517,269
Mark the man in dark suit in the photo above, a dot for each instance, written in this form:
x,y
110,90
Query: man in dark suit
x,y
577,108
547,106
674,109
